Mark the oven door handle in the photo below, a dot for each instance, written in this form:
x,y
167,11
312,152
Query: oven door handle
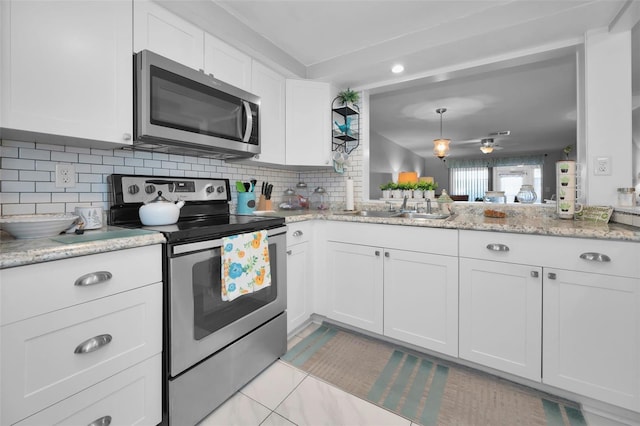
x,y
204,245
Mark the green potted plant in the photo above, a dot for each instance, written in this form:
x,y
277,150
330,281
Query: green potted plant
x,y
429,189
386,189
348,97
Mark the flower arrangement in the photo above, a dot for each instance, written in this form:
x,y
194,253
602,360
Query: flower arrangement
x,y
567,150
388,186
348,96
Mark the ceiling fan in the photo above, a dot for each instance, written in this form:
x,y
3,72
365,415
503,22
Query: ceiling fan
x,y
489,144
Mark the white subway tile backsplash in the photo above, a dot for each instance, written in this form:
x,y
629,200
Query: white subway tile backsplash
x,y
65,157
33,189
9,209
30,175
35,197
9,152
6,174
42,208
18,164
35,154
17,186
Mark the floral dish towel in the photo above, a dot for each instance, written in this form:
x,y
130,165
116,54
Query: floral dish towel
x,y
245,264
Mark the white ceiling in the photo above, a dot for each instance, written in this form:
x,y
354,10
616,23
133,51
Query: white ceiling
x,y
447,48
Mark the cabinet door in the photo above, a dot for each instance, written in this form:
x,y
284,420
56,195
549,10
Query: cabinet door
x,y
227,63
67,68
270,86
421,299
162,32
592,335
501,316
308,123
298,288
355,286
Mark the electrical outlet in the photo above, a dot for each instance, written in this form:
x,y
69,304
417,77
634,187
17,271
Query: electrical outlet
x,y
65,175
602,166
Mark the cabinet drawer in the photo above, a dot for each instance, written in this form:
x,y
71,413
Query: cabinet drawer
x,y
40,365
32,290
620,258
132,397
413,238
298,232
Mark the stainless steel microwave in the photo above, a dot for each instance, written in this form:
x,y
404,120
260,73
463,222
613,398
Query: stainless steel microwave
x,y
181,110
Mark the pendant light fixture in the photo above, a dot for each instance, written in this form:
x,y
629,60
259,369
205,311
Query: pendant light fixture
x,y
441,146
486,146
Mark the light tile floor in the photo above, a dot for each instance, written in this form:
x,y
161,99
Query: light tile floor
x,y
285,396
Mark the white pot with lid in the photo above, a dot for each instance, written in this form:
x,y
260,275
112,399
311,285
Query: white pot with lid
x,y
160,211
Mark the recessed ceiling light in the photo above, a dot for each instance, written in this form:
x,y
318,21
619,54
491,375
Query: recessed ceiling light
x,y
397,69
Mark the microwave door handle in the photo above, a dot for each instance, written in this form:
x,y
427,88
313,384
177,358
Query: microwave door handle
x,y
249,117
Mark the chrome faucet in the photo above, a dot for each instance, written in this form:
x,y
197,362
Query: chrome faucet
x,y
403,207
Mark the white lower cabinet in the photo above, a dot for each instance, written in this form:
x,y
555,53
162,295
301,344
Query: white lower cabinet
x,y
421,299
355,278
592,335
501,316
299,275
393,283
90,344
131,397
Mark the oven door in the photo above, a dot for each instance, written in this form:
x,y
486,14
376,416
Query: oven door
x,y
200,322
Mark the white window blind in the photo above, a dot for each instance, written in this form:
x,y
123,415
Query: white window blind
x,y
472,181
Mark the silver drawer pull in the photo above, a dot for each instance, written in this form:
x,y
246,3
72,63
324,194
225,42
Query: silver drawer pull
x,y
377,252
93,344
297,234
552,275
289,252
93,278
102,421
498,247
534,274
595,257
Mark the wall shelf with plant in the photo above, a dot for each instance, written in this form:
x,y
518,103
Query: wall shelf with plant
x,y
345,121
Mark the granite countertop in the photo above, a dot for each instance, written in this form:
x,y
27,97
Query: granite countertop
x,y
520,220
14,252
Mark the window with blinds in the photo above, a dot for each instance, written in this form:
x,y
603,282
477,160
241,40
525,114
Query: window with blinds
x,y
472,181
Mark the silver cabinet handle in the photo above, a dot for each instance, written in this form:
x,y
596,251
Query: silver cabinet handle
x,y
534,274
93,278
387,254
102,421
93,344
377,252
595,257
298,233
551,276
288,251
498,247
126,136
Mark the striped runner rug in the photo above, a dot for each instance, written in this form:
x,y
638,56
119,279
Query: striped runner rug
x,y
427,391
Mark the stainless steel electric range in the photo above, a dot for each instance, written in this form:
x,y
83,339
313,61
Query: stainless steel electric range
x,y
211,347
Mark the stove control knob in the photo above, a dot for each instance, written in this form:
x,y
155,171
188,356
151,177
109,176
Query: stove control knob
x,y
220,189
210,189
133,189
149,189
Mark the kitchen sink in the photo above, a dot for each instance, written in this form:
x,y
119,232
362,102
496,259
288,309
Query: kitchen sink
x,y
372,213
413,215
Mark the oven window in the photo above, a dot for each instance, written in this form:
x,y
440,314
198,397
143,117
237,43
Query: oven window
x,y
210,312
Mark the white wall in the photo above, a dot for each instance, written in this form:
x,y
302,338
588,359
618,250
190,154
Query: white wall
x,y
607,96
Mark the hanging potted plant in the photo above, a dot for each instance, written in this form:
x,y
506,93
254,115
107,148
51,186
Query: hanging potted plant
x,y
348,97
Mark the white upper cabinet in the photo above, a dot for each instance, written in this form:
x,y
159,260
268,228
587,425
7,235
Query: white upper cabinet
x,y
67,69
227,63
164,33
270,86
308,123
